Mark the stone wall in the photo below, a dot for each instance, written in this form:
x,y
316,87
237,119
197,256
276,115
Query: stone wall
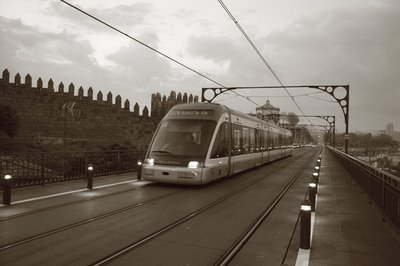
x,y
53,117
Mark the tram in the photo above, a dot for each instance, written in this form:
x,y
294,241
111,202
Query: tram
x,y
196,143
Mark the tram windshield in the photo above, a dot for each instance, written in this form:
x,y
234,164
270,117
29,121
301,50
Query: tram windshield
x,y
180,141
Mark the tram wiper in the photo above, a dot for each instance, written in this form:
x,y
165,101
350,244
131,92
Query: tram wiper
x,y
167,152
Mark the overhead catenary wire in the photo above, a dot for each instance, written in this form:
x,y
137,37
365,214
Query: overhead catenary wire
x,y
155,50
258,53
286,96
317,98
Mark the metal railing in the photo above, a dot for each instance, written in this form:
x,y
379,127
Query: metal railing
x,y
39,168
383,188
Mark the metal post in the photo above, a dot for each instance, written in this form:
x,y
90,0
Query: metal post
x,y
317,168
118,162
90,176
42,168
139,170
346,140
315,177
334,134
383,198
305,224
27,159
7,189
312,191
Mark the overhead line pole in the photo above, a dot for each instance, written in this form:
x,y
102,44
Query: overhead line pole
x,y
209,94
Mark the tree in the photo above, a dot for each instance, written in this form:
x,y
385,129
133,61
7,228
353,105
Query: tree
x,y
293,119
8,120
283,117
383,140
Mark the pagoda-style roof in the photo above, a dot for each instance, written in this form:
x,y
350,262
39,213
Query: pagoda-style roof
x,y
268,106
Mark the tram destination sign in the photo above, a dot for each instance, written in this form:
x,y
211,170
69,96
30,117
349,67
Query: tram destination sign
x,y
191,113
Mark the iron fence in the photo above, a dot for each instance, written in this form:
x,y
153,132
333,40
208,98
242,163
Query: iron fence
x,y
37,168
383,188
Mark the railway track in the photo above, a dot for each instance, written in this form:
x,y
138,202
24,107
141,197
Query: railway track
x,y
166,228
233,249
242,240
86,221
56,206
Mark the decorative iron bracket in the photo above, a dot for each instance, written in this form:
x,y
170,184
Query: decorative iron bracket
x,y
341,93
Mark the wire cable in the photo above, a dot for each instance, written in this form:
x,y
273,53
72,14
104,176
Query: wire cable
x,y
329,101
258,53
155,50
283,96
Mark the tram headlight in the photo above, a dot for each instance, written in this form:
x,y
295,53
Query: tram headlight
x,y
149,161
193,164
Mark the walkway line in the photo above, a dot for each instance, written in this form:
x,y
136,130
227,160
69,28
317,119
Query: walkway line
x,y
70,192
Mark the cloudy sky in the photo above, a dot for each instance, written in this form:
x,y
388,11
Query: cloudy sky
x,y
355,42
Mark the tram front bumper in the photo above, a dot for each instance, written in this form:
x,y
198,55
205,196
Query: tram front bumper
x,y
172,174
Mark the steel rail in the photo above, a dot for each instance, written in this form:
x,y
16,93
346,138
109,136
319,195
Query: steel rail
x,y
63,204
242,240
121,252
86,221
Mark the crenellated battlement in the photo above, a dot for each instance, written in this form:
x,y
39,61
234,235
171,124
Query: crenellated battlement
x,y
66,113
161,105
27,90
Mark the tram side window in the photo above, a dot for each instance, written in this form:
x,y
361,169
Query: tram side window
x,y
278,141
221,144
237,140
266,141
252,140
275,140
246,140
258,140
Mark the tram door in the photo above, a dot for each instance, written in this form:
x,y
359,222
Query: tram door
x,y
219,158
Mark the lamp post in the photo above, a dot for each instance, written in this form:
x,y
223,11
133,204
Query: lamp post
x,y
315,177
312,192
90,176
7,182
316,168
305,224
139,170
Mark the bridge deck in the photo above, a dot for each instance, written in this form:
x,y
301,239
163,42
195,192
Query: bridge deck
x,y
348,230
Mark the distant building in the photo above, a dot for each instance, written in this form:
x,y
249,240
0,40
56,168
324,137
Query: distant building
x,y
389,129
396,135
301,135
377,132
268,112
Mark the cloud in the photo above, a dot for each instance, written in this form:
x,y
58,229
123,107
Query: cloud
x,y
356,44
131,16
141,66
64,57
124,15
357,47
233,55
26,45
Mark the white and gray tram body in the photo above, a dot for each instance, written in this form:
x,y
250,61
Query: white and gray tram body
x,y
197,143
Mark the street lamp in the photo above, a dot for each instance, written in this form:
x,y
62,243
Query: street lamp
x,y
7,182
90,176
305,224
